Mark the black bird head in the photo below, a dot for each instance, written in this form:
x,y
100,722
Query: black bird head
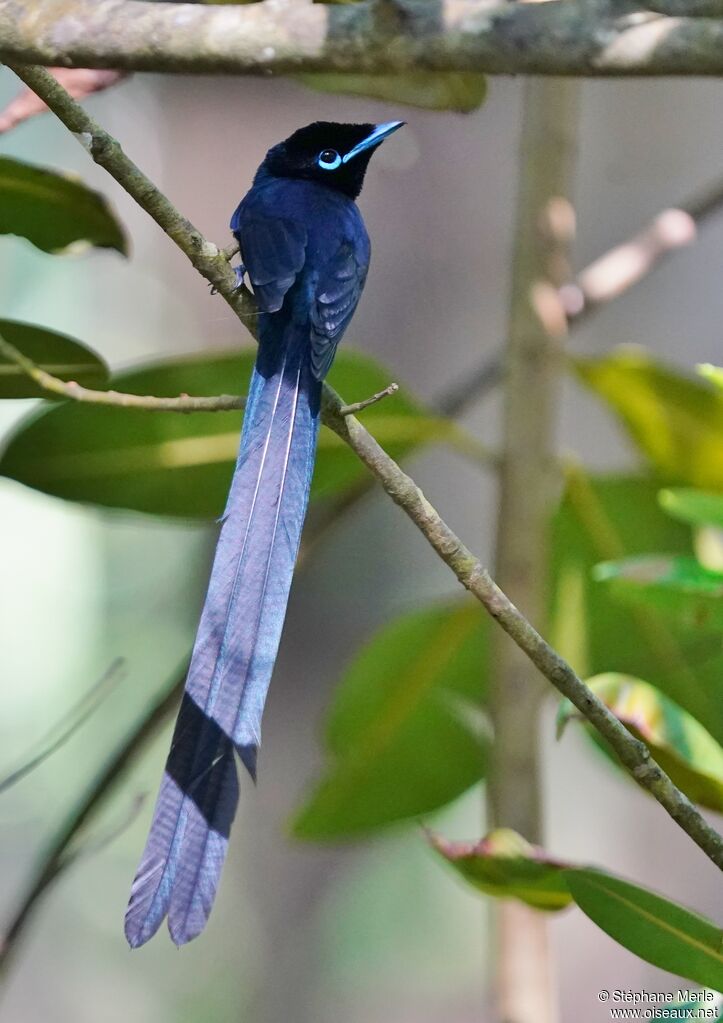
x,y
333,154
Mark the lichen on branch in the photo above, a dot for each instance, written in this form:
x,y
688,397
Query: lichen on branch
x,y
558,37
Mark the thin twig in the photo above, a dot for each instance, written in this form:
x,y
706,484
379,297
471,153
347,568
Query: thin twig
x,y
634,755
69,724
230,251
625,265
54,859
606,278
73,390
359,406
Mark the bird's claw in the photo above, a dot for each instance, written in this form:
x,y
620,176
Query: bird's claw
x,y
240,272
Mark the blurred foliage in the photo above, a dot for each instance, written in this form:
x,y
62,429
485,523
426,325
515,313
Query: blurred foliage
x,y
697,507
654,928
503,864
181,465
460,91
55,353
675,421
714,374
677,587
616,517
679,743
54,211
404,733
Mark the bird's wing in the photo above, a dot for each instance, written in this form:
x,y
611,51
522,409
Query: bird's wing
x,y
336,296
273,250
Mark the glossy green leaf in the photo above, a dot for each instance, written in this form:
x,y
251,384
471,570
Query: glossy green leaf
x,y
605,518
54,211
685,750
53,352
661,932
676,421
504,865
698,507
404,730
461,91
181,465
654,928
679,587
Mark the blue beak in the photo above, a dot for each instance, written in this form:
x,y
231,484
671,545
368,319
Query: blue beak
x,y
381,132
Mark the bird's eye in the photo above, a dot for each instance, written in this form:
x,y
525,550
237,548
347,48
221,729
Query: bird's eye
x,y
328,159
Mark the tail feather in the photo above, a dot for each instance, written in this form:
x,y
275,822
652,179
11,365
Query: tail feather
x,y
197,801
236,646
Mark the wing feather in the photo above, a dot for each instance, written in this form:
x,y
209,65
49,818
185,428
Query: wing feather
x,y
337,293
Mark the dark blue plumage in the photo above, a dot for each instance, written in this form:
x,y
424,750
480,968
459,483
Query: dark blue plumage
x,y
306,252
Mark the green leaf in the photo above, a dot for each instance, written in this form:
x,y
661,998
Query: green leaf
x,y
676,422
461,91
605,518
505,866
403,733
54,211
53,352
181,465
657,930
652,927
698,507
680,744
679,587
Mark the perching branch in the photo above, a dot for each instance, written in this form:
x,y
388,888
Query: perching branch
x,y
633,754
560,37
150,402
80,82
211,262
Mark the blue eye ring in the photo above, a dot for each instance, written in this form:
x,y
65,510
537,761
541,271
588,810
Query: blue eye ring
x,y
328,159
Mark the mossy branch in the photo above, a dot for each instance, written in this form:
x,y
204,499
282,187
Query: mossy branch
x,y
560,37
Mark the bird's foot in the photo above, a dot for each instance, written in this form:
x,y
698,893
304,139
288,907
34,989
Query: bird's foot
x,y
240,272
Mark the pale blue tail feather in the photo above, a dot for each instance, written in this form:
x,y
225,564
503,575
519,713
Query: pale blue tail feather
x,y
236,644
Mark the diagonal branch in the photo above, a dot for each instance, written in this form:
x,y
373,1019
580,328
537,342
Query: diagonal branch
x,y
210,261
560,37
633,754
73,390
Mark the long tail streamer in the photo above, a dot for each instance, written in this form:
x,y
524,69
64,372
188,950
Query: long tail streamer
x,y
235,648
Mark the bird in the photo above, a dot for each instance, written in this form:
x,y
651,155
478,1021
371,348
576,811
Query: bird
x,y
305,250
